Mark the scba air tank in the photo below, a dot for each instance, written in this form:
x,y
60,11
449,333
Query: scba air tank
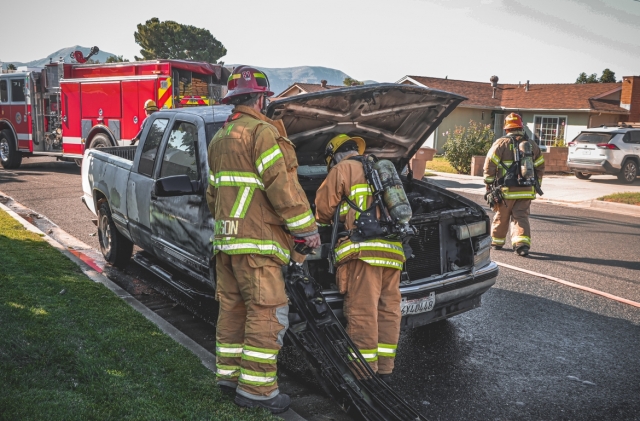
x,y
395,199
526,160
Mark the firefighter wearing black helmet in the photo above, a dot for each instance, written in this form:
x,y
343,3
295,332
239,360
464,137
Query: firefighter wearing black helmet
x,y
254,195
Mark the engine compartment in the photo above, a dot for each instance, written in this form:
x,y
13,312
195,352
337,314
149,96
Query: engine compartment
x,y
436,248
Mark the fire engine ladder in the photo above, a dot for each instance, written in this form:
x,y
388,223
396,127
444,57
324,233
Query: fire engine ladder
x,y
336,361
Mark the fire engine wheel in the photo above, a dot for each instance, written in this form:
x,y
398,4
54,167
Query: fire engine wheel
x,y
100,141
115,247
582,176
10,157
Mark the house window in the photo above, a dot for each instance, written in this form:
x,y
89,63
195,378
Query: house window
x,y
548,129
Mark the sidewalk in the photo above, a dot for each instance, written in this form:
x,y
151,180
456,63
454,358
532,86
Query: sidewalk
x,y
558,189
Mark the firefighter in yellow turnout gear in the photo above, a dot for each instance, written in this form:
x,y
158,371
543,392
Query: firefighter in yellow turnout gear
x,y
517,199
368,273
253,195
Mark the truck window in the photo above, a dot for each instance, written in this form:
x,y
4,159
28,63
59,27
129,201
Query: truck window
x,y
150,146
4,91
211,129
180,157
17,90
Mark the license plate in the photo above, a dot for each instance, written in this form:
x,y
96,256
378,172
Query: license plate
x,y
419,305
586,152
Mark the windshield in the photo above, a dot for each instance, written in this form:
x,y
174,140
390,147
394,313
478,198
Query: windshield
x,y
594,137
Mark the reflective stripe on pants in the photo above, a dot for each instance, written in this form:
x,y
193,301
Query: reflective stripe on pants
x,y
516,214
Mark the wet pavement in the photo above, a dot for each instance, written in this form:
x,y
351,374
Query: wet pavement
x,y
535,350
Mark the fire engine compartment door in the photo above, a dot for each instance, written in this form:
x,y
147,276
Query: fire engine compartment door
x,y
135,93
71,122
102,99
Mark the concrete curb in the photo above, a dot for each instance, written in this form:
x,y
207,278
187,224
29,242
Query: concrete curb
x,y
207,358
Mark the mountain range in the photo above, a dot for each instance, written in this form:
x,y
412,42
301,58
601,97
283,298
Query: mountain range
x,y
280,78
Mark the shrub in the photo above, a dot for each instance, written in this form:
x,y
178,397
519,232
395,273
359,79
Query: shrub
x,y
559,142
465,142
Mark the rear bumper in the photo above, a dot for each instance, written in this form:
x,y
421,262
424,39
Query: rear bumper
x,y
597,167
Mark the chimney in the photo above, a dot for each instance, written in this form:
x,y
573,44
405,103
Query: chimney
x,y
323,83
494,84
526,87
630,96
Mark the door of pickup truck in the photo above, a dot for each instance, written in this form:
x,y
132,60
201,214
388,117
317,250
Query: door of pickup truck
x,y
181,225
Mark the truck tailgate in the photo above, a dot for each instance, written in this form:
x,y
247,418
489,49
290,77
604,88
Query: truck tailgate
x,y
106,173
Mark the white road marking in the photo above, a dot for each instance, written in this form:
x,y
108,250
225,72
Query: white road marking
x,y
571,284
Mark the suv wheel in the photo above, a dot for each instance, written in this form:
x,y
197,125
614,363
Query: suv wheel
x,y
628,172
582,176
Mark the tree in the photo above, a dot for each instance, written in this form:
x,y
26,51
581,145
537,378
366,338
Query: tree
x,y
173,40
116,59
583,78
608,76
465,142
351,82
11,66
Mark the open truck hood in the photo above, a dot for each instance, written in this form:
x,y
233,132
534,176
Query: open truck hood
x,y
393,119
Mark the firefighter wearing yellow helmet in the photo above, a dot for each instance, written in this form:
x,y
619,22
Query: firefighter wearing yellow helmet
x,y
368,272
515,165
150,107
254,196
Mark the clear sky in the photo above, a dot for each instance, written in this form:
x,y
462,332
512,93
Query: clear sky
x,y
539,40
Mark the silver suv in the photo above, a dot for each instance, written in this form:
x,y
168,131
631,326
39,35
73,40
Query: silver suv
x,y
606,150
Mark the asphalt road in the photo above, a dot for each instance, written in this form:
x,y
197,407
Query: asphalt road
x,y
535,350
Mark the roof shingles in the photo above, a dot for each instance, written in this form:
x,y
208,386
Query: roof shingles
x,y
539,97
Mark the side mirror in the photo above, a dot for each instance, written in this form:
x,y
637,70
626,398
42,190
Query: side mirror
x,y
177,185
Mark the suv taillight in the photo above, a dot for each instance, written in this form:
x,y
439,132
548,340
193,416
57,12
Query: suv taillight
x,y
607,146
572,143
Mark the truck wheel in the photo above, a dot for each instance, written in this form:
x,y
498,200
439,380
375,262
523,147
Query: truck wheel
x,y
115,247
10,157
628,172
100,141
582,176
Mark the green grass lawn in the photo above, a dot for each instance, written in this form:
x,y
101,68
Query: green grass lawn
x,y
440,164
71,350
628,198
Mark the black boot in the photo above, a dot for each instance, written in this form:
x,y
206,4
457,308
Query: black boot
x,y
522,250
386,378
278,404
496,247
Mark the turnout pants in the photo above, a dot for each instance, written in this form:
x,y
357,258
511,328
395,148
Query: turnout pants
x,y
252,322
372,310
515,212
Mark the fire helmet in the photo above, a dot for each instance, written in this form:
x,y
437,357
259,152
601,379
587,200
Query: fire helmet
x,y
513,121
334,145
150,105
246,80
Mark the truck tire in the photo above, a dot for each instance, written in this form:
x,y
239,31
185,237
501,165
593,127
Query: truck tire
x,y
115,247
100,141
10,157
581,175
628,172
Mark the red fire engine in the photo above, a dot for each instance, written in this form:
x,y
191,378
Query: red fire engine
x,y
63,109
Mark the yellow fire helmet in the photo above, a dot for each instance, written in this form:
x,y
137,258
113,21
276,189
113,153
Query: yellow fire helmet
x,y
150,105
335,143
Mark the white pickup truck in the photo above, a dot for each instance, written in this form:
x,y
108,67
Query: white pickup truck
x,y
153,195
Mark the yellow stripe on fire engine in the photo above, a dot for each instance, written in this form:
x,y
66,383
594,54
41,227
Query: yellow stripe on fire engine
x,y
165,97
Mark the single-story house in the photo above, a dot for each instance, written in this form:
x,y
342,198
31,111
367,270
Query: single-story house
x,y
549,111
305,88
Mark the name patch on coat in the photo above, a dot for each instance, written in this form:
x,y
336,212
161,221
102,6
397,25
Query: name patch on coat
x,y
226,228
